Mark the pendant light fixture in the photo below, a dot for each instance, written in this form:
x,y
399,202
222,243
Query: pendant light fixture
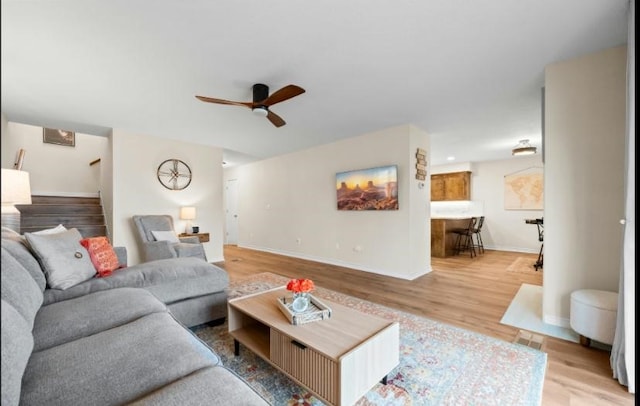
x,y
523,148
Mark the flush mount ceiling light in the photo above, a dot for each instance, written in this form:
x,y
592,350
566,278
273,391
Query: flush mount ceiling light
x,y
523,148
261,111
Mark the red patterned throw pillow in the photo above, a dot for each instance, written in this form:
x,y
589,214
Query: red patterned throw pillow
x,y
102,255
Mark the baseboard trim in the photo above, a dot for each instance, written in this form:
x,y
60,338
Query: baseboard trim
x,y
557,321
512,249
335,262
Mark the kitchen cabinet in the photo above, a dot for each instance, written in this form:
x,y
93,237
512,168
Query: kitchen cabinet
x,y
451,186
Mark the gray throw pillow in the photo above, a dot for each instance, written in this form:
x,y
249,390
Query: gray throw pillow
x,y
65,262
57,229
165,236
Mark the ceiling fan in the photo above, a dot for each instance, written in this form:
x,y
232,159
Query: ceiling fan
x,y
262,101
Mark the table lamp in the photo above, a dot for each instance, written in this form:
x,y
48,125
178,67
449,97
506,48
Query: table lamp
x,y
188,213
15,190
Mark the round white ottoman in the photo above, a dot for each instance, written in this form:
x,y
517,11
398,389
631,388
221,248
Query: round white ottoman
x,y
593,315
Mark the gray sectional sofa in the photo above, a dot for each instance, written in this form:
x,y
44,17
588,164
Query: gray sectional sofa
x,y
117,340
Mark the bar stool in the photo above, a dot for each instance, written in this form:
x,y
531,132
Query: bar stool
x,y
464,239
476,231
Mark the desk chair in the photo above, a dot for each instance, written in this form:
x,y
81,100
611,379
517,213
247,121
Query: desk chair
x,y
540,223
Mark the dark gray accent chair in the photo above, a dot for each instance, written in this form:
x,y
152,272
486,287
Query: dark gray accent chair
x,y
153,249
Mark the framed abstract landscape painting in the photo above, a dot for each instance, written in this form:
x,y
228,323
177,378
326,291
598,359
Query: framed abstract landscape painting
x,y
368,189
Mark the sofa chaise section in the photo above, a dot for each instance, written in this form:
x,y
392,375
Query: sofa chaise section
x,y
193,289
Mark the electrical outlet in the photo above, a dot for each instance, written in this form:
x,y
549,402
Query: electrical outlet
x,y
298,240
357,248
337,245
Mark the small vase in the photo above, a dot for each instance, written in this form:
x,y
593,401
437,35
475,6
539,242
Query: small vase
x,y
300,302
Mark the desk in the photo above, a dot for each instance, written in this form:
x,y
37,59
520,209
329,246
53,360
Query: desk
x,y
443,240
204,237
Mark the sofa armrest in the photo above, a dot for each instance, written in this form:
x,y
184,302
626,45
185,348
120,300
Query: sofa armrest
x,y
121,253
190,240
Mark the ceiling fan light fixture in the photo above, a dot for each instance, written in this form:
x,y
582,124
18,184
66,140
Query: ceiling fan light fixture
x,y
260,111
262,101
523,148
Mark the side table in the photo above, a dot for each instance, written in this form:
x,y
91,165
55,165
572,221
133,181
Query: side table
x,y
204,237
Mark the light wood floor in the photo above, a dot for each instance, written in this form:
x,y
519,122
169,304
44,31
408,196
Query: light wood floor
x,y
469,293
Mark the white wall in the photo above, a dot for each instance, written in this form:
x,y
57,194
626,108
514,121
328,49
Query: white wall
x,y
584,177
126,178
136,189
4,131
293,197
454,167
504,230
55,168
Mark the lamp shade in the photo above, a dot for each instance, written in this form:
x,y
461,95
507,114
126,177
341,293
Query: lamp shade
x,y
523,148
16,188
188,213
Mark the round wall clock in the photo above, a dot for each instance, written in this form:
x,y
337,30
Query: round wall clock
x,y
174,174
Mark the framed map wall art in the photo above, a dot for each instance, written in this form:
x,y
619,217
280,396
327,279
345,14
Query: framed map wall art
x,y
524,190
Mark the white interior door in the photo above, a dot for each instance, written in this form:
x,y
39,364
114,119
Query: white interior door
x,y
231,214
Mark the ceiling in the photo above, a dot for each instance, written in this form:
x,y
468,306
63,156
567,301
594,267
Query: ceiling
x,y
469,73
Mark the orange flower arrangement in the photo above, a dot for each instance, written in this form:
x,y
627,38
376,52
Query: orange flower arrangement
x,y
300,285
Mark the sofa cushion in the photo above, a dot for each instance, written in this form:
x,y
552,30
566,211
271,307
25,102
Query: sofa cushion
x,y
197,388
18,288
65,262
165,236
20,251
185,249
102,255
69,320
17,344
115,366
169,280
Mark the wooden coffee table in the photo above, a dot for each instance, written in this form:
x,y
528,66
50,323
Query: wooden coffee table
x,y
338,359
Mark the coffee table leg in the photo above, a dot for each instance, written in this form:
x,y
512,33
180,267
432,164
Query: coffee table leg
x,y
384,380
236,347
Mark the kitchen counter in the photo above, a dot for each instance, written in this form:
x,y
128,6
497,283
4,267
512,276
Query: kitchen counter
x,y
443,239
453,217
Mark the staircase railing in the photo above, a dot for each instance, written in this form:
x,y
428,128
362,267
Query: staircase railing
x,y
104,216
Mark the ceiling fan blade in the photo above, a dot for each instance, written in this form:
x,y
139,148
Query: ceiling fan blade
x,y
275,119
283,94
221,101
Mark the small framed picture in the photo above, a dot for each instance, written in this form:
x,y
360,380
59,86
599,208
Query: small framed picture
x,y
59,137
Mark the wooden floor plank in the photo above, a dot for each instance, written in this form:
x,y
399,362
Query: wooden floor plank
x,y
472,293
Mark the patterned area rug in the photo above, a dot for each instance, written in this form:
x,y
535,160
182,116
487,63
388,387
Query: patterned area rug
x,y
439,364
523,265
